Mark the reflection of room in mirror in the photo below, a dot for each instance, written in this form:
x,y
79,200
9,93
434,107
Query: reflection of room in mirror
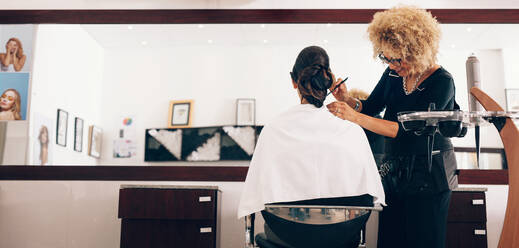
x,y
238,64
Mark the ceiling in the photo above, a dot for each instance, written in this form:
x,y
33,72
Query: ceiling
x,y
455,36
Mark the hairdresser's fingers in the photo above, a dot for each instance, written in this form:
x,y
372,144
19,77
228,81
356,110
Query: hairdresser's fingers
x,y
332,106
343,88
335,83
341,93
336,109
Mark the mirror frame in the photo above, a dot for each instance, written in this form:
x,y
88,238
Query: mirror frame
x,y
218,16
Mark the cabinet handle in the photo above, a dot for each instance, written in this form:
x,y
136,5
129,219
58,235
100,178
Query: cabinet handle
x,y
480,232
478,202
204,199
206,230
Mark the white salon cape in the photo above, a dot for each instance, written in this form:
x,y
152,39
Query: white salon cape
x,y
308,153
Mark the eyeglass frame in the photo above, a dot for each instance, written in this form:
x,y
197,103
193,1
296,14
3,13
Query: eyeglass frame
x,y
395,62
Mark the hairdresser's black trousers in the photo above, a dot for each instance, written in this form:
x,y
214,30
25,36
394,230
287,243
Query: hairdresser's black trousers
x,y
417,209
414,221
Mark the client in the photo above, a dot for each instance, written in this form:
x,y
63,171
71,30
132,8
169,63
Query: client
x,y
308,156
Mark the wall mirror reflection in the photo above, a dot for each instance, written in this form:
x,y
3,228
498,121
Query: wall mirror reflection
x,y
122,78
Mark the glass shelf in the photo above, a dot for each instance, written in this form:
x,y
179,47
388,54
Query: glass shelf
x,y
416,120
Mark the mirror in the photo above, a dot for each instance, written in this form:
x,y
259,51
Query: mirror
x,y
116,81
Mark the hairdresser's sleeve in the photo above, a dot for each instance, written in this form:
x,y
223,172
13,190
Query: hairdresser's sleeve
x,y
376,101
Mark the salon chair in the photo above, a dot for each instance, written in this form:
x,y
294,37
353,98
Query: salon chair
x,y
311,226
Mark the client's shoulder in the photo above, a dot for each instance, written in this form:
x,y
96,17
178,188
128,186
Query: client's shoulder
x,y
310,118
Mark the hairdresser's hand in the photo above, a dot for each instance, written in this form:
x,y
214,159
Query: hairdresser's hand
x,y
343,111
341,93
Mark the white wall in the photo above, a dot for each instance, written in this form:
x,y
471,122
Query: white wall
x,y
67,75
65,214
249,4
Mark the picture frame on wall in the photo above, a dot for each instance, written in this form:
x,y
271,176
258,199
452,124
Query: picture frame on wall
x,y
78,134
94,141
245,111
180,113
61,128
512,99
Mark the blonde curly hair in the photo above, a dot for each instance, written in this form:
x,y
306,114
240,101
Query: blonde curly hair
x,y
409,33
359,94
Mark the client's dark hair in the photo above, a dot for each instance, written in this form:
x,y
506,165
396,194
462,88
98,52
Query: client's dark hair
x,y
312,74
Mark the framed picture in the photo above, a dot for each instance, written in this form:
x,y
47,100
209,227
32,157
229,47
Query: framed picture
x,y
512,99
61,127
94,141
180,114
246,112
78,134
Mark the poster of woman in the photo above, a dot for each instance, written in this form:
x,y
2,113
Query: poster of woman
x,y
14,89
16,43
14,93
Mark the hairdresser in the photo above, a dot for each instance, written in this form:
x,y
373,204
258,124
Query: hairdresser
x,y
407,39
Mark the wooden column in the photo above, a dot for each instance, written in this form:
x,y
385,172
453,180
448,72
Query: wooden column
x,y
510,137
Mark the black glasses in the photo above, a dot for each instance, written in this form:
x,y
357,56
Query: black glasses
x,y
395,62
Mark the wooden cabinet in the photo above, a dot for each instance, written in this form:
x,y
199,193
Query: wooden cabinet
x,y
168,216
467,221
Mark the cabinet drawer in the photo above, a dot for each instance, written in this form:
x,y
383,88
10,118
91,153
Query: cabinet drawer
x,y
146,203
140,233
467,207
466,235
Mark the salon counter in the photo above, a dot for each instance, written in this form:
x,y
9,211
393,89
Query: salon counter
x,y
467,220
169,216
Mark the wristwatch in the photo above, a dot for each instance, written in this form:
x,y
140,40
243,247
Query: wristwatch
x,y
357,104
